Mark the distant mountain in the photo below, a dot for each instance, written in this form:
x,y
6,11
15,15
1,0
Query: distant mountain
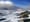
x,y
11,8
15,8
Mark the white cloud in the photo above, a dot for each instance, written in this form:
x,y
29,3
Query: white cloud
x,y
4,0
6,3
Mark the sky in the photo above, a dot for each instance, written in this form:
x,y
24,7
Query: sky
x,y
22,3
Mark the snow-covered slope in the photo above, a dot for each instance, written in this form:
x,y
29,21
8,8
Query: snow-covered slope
x,y
12,16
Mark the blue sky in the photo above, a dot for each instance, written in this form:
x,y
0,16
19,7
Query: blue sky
x,y
22,3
